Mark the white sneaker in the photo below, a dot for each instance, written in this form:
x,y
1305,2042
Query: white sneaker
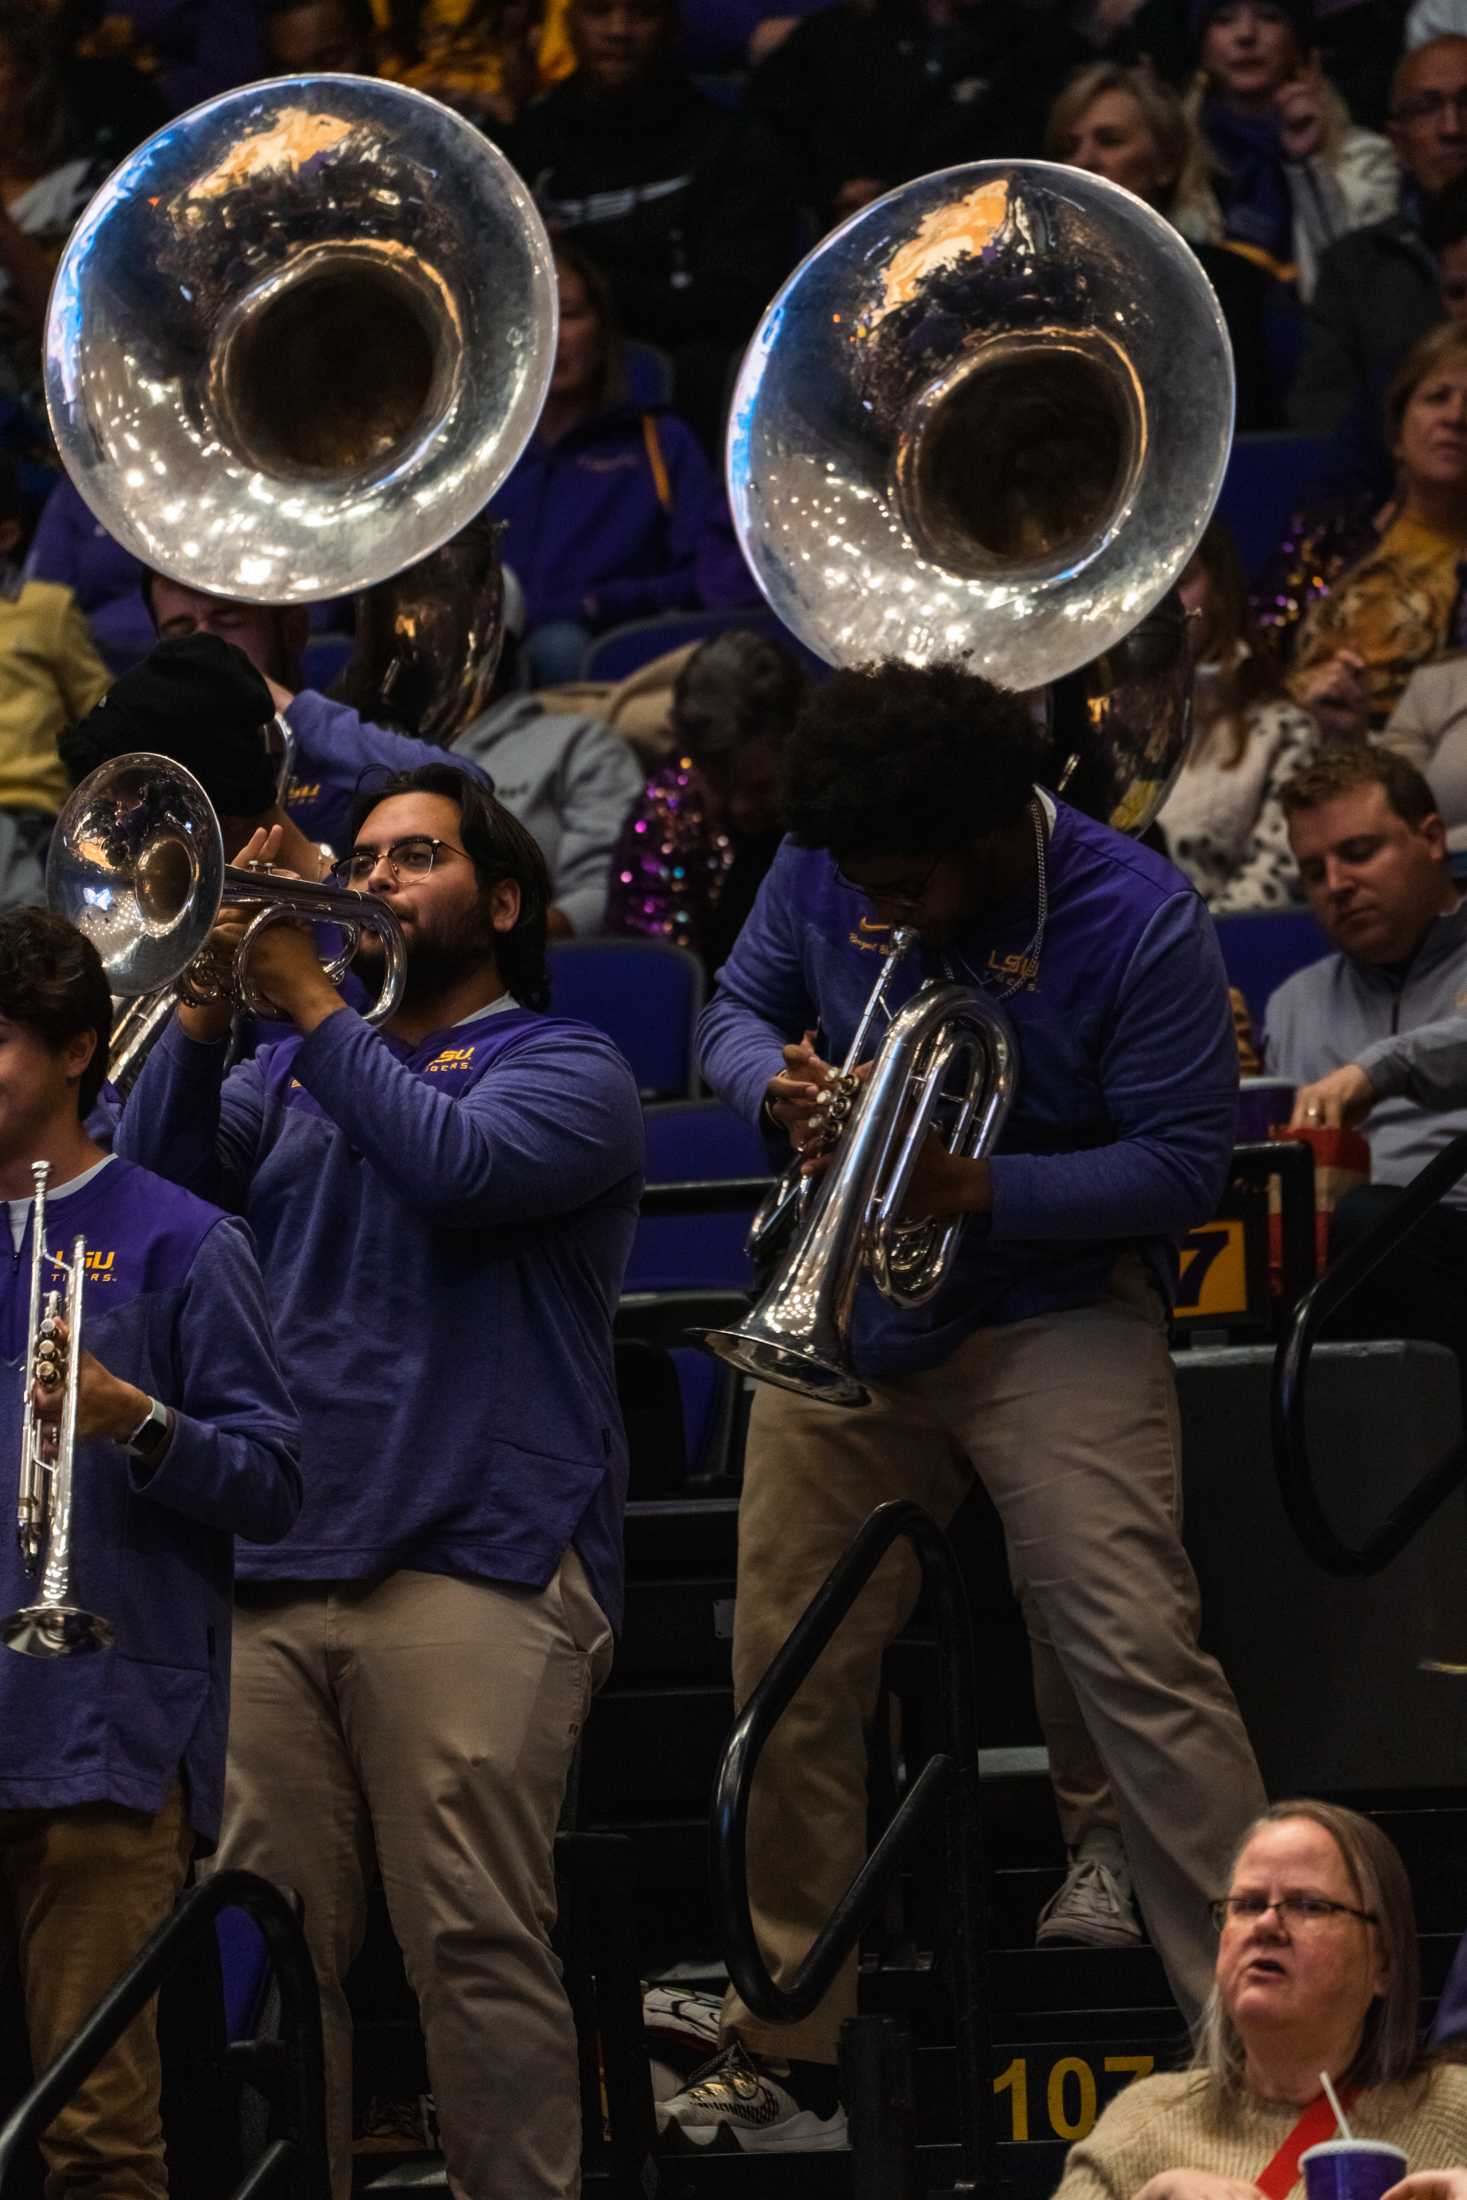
x,y
1093,1909
682,2032
735,2103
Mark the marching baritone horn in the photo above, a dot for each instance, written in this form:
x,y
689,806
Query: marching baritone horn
x,y
56,1626
137,864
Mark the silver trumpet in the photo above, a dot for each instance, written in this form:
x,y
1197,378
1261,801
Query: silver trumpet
x,y
56,1626
798,1334
137,863
985,421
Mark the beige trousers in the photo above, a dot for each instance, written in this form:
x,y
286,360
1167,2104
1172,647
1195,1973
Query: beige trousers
x,y
424,1727
1070,1421
80,1891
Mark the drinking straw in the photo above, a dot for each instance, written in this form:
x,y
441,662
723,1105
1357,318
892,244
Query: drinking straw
x,y
1334,2101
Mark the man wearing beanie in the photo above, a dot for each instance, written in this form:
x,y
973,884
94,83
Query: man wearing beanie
x,y
336,751
1291,171
1379,289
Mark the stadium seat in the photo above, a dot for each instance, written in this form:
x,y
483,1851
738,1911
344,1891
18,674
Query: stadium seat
x,y
644,994
1261,949
623,650
689,1142
1269,476
648,373
325,656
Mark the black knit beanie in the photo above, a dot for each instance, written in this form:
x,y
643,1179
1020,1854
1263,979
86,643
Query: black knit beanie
x,y
1299,12
199,701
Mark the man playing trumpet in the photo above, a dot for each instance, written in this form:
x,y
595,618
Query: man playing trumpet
x,y
1040,1365
112,1764
444,1209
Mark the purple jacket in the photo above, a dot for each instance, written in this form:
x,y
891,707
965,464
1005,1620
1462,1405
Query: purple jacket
x,y
174,1303
1122,1128
443,1230
587,516
337,754
73,547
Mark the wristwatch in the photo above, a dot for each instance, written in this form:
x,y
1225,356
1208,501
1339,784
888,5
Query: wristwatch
x,y
149,1440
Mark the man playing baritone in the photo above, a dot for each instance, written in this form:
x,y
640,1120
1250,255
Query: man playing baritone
x,y
112,1764
1041,1365
444,1209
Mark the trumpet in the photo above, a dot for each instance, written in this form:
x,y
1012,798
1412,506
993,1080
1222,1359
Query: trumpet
x,y
57,1626
137,863
798,1335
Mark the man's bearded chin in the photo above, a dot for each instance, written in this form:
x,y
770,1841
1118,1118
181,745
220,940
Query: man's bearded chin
x,y
451,950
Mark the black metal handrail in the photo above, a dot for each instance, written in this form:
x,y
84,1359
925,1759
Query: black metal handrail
x,y
299,2154
722,1195
948,1783
1298,1483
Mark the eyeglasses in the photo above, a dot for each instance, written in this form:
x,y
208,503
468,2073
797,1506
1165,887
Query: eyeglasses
x,y
1432,106
906,895
1301,1913
410,858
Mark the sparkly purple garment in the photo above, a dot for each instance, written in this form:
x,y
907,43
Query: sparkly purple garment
x,y
669,866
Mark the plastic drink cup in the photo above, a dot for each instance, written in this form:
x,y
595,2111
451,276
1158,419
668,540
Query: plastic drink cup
x,y
1263,1102
1351,2169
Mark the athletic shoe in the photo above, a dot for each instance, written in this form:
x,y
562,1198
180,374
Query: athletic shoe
x,y
736,2104
682,2032
397,2126
1093,1909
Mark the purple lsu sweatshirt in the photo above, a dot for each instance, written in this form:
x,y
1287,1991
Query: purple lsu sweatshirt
x,y
338,755
1122,1127
443,1229
174,1302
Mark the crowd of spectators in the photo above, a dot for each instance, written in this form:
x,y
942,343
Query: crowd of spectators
x,y
1312,154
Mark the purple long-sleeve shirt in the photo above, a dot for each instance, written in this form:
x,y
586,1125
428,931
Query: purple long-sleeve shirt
x,y
339,754
173,1302
443,1230
1122,1126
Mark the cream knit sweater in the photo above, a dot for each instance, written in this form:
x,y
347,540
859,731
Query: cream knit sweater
x,y
1166,2123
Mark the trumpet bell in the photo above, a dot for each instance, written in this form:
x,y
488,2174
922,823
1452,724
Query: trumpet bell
x,y
56,1631
299,337
986,420
815,1369
137,864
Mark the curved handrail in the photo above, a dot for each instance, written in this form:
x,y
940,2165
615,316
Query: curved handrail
x,y
1298,1483
299,2156
948,1782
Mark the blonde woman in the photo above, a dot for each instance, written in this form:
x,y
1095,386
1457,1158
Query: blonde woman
x,y
1223,820
1125,125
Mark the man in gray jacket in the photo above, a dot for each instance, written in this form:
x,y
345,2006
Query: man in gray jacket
x,y
1379,1030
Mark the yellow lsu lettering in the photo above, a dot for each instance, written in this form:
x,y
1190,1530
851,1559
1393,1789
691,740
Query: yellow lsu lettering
x,y
96,1265
1072,2093
300,791
451,1058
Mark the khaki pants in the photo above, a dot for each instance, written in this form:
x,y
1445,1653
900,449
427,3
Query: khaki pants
x,y
424,1726
82,1890
1070,1421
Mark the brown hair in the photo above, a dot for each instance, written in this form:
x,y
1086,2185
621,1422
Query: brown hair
x,y
1189,201
610,385
1341,770
52,983
1445,342
1389,2047
1232,642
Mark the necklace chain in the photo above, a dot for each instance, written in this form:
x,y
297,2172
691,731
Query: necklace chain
x,y
1028,967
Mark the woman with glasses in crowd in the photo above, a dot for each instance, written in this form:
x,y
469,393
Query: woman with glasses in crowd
x,y
1316,1972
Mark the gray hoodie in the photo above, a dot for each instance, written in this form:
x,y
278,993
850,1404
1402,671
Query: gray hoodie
x,y
570,783
1408,1032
